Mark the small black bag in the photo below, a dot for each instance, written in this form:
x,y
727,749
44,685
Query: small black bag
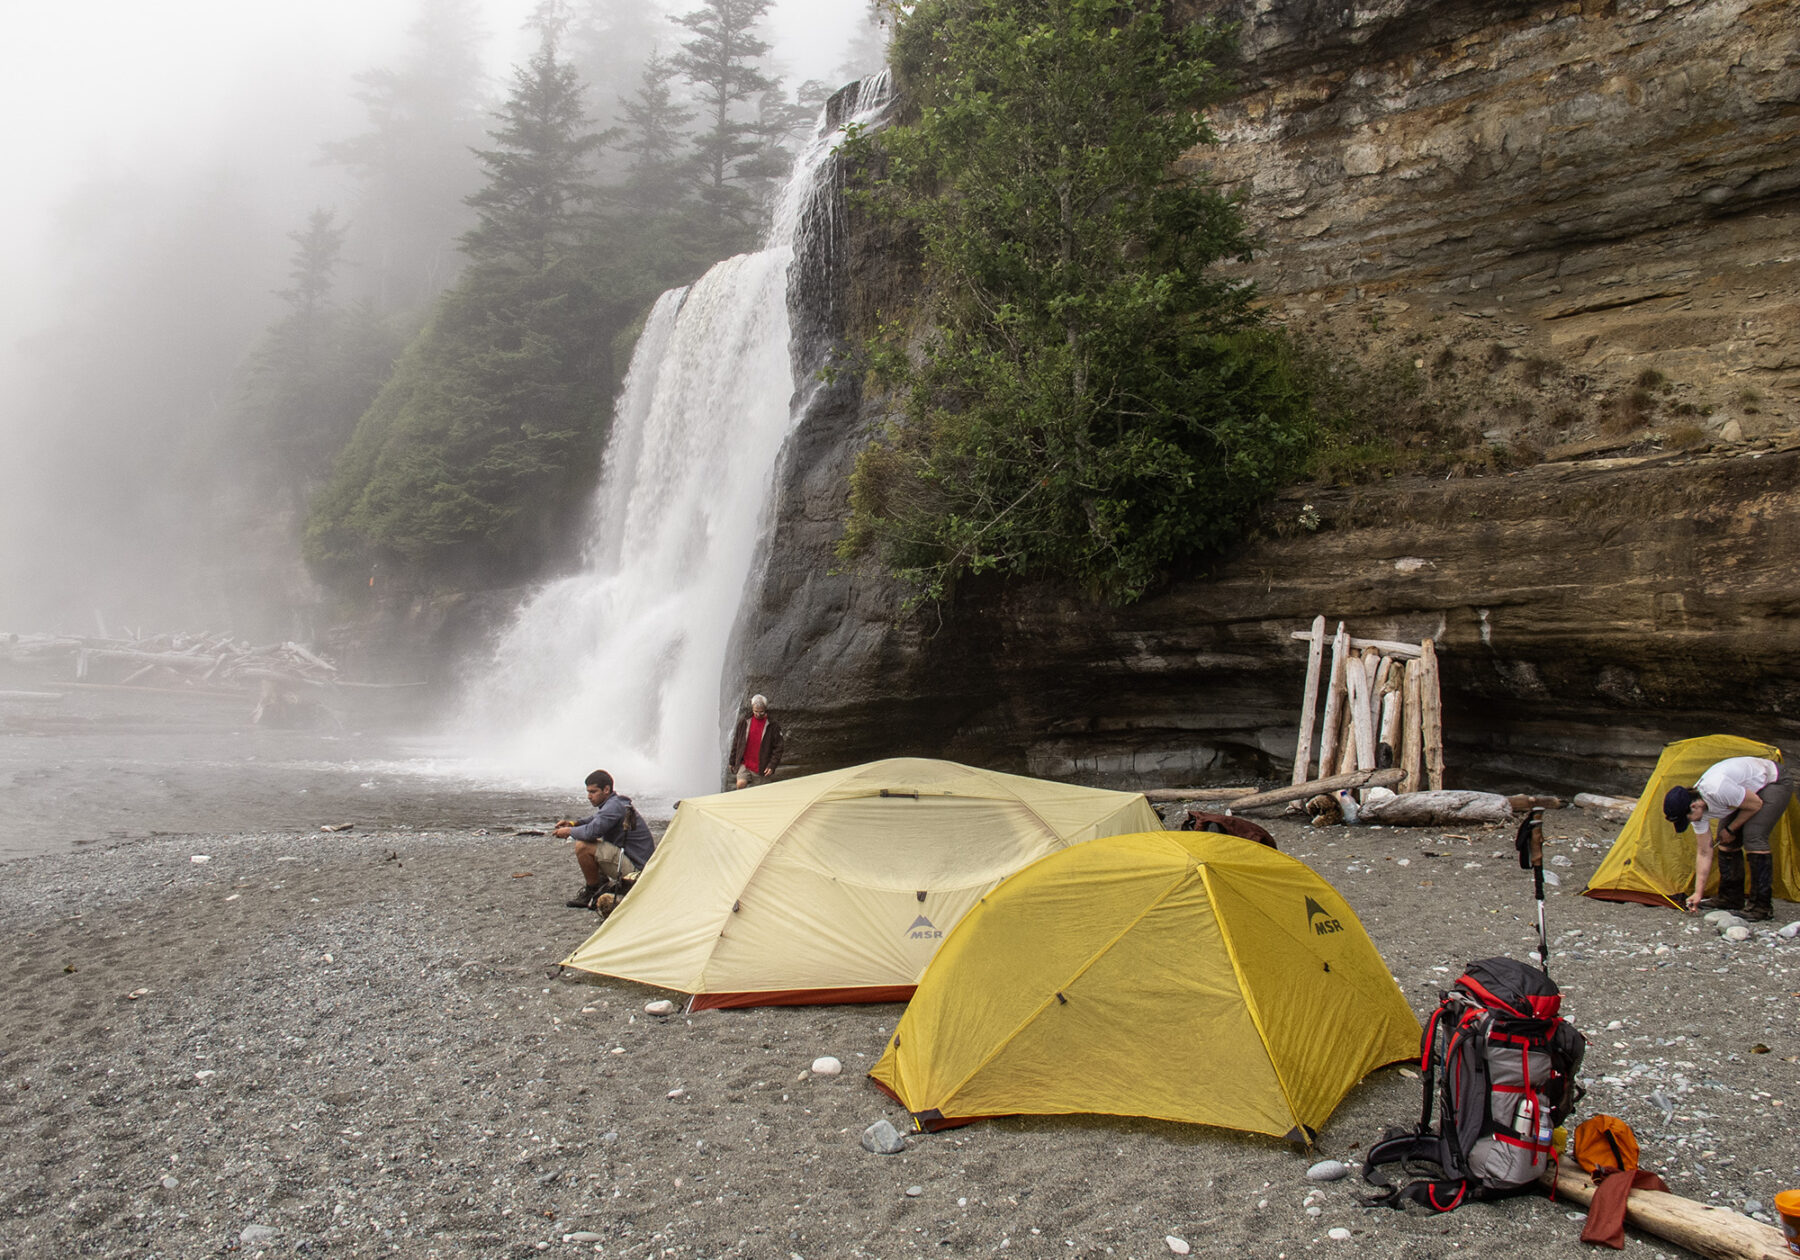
x,y
1499,1064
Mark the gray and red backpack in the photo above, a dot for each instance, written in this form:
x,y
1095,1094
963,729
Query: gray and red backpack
x,y
1499,1065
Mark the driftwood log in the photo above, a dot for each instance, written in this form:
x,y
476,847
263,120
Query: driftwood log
x,y
1431,809
1591,800
1168,795
1702,1228
1309,703
1300,791
1334,702
1431,701
1387,647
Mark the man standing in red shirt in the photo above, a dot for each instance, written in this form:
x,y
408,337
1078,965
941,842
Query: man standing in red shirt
x,y
756,746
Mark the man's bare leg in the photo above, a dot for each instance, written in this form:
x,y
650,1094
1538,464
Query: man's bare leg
x,y
589,863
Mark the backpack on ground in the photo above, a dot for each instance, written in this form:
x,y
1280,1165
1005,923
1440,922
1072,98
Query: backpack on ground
x,y
1499,1065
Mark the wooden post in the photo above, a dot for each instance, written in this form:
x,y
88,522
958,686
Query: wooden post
x,y
1334,701
1387,741
1412,731
1361,725
1309,703
1432,709
1346,757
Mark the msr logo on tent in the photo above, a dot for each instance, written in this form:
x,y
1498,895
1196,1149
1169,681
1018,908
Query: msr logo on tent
x,y
1320,920
922,930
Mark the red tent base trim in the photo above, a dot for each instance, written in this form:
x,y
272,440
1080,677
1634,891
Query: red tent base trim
x,y
802,997
1641,898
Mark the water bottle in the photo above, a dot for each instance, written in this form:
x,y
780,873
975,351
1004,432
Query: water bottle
x,y
1525,1119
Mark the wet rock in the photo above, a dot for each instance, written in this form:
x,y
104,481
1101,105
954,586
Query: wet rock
x,y
1328,1170
882,1138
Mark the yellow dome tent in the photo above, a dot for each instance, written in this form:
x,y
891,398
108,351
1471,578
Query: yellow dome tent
x,y
1651,862
1181,975
836,887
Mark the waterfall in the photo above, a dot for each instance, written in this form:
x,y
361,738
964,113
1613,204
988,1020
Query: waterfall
x,y
619,665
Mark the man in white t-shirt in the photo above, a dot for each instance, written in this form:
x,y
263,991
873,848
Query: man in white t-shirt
x,y
1744,797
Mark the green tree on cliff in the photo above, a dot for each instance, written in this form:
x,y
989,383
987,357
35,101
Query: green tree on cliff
x,y
720,62
1090,399
413,161
314,372
479,448
538,174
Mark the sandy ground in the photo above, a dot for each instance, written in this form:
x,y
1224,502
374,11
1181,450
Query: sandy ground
x,y
359,1045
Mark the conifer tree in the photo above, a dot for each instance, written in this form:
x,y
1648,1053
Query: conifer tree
x,y
538,172
653,138
315,370
609,43
720,61
414,163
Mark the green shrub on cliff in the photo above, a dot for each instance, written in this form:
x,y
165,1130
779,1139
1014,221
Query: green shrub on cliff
x,y
1089,398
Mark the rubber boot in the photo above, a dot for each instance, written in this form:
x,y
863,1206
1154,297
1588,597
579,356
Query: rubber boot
x,y
1762,887
584,900
1731,882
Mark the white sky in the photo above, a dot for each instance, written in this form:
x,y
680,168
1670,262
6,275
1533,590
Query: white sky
x,y
119,88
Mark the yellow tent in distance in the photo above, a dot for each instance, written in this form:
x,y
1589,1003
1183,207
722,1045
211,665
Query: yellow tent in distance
x,y
1186,976
836,887
1651,862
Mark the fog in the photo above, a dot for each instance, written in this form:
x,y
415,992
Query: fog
x,y
162,156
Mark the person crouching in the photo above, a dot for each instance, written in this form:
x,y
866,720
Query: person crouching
x,y
611,844
1744,797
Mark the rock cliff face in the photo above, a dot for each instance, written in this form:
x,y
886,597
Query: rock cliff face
x,y
1601,196
1608,186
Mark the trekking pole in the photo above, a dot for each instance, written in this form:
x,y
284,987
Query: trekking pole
x,y
1530,844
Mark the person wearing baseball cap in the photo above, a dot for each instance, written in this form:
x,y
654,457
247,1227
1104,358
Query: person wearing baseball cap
x,y
1744,797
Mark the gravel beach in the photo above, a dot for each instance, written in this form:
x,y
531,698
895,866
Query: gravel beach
x,y
359,1044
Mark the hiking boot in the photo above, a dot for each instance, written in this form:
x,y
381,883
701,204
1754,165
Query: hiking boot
x,y
1731,883
584,900
1762,887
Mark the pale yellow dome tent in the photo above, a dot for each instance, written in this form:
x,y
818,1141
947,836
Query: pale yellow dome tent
x,y
1180,975
836,887
1652,863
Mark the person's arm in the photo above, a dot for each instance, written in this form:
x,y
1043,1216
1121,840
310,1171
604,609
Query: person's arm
x,y
1745,811
773,746
1703,860
610,814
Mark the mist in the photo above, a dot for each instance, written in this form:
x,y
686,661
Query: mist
x,y
171,157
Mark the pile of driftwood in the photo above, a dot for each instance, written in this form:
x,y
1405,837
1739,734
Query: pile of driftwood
x,y
194,664
1382,710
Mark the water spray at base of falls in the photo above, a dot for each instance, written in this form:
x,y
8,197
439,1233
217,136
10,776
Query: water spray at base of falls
x,y
619,666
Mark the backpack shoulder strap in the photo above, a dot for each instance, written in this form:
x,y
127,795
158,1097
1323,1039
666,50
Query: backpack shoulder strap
x,y
1410,1150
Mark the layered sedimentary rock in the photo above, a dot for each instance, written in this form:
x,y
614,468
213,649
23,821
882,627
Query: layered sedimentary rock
x,y
1608,183
1608,188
